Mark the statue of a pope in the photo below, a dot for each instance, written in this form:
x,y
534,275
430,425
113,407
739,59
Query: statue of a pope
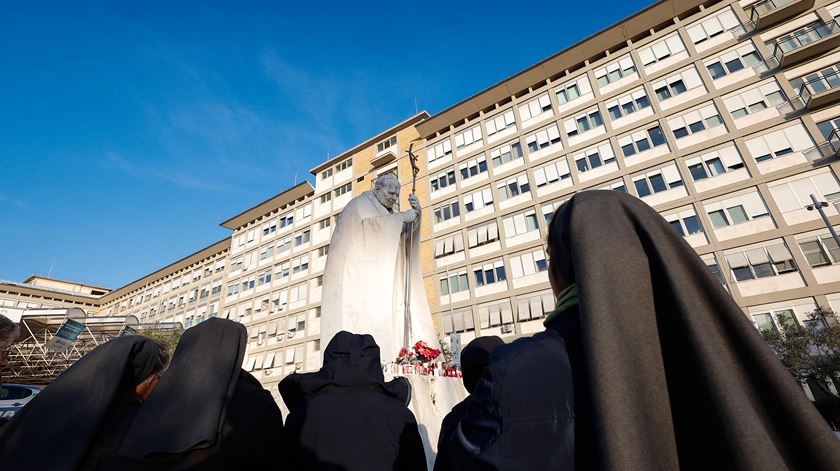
x,y
373,249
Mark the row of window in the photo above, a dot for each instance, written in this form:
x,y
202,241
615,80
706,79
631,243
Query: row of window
x,y
766,146
721,65
498,313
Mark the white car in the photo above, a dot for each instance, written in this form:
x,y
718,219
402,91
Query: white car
x,y
13,397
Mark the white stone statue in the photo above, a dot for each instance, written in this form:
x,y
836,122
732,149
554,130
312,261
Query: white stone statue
x,y
365,284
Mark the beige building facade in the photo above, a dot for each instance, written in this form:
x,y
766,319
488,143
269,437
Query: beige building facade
x,y
720,115
717,114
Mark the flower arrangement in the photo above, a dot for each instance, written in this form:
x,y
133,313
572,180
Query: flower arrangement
x,y
425,354
406,357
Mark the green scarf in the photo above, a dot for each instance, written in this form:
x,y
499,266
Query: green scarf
x,y
567,298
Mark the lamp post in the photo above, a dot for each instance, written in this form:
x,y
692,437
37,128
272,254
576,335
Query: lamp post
x,y
819,205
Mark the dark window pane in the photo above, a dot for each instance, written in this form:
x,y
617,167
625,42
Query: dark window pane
x,y
642,188
678,227
656,136
692,225
698,172
658,183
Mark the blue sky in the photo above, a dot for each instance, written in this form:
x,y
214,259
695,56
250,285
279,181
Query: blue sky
x,y
130,130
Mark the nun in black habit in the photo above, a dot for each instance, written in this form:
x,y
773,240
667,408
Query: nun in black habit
x,y
345,417
646,363
474,358
207,413
78,421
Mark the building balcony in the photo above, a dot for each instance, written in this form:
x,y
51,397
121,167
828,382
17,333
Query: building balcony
x,y
806,43
833,143
766,13
820,91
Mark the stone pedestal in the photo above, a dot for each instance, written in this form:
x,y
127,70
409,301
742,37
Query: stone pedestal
x,y
432,397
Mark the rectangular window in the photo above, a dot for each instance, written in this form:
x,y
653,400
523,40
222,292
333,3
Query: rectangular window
x,y
482,235
447,211
745,207
695,121
300,264
506,153
449,245
819,251
657,181
514,186
468,137
386,144
661,50
795,195
628,104
685,222
439,150
302,238
495,314
324,223
478,200
534,306
326,173
343,189
714,163
443,179
779,143
344,165
572,90
455,283
281,270
473,167
707,28
459,320
677,84
535,108
521,223
641,140
744,103
284,244
732,61
528,263
500,122
489,273
544,138
583,122
594,157
553,172
264,278
326,197
548,210
615,71
761,262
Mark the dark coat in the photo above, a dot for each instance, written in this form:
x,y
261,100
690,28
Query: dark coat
x,y
345,417
206,412
524,413
80,412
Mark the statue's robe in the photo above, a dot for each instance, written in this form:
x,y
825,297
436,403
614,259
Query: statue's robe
x,y
364,278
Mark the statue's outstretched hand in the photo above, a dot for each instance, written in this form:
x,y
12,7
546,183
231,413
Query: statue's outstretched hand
x,y
414,202
409,216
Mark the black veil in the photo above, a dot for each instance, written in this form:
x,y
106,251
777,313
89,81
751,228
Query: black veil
x,y
678,377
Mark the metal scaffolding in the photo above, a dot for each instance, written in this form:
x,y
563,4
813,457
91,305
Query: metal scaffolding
x,y
34,360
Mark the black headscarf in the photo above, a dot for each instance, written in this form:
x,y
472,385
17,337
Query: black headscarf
x,y
188,407
678,377
56,428
474,357
350,361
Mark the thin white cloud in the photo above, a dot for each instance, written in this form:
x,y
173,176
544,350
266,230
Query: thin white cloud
x,y
12,201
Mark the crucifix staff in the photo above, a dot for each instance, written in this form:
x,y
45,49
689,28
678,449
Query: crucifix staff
x,y
408,252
